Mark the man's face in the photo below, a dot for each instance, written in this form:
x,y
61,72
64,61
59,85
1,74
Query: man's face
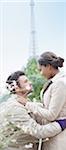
x,y
25,84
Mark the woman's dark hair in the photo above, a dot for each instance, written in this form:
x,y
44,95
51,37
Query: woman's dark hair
x,y
14,76
50,58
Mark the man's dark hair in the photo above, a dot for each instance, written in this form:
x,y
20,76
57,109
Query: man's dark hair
x,y
14,76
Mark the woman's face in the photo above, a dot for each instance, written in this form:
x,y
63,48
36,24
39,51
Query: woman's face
x,y
45,70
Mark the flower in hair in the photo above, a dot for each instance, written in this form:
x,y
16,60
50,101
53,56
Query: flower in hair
x,y
11,86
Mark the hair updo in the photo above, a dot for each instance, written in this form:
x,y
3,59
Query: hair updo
x,y
50,58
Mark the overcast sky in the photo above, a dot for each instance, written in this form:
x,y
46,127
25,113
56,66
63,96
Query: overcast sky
x,y
15,31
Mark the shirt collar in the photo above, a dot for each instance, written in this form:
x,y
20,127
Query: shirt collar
x,y
58,76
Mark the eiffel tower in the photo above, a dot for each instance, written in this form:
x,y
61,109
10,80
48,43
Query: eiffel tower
x,y
32,49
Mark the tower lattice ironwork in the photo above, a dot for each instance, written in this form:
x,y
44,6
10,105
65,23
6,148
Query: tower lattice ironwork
x,y
32,51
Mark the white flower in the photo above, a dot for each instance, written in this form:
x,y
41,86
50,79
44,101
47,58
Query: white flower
x,y
11,86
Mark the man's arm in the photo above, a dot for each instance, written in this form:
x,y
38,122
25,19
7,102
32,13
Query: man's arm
x,y
21,119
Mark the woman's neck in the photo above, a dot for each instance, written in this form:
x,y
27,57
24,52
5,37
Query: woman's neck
x,y
55,71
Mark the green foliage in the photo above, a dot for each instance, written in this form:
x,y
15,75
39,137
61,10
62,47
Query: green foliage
x,y
35,77
31,67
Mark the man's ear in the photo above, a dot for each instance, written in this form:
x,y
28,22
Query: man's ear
x,y
18,84
17,89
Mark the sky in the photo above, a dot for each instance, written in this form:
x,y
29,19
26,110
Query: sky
x,y
15,32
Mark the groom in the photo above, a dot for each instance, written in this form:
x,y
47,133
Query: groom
x,y
22,130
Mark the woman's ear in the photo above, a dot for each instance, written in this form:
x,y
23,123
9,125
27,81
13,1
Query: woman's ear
x,y
50,67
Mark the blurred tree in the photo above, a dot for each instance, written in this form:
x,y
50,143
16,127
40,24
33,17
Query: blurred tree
x,y
33,74
5,95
